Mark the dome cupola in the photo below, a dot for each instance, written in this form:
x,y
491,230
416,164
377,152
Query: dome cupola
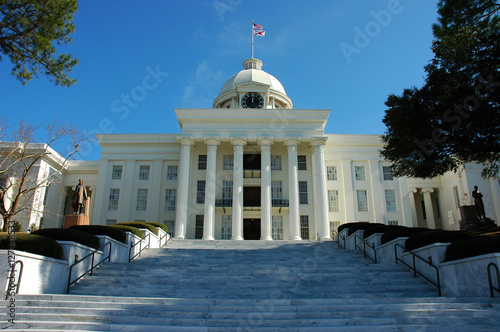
x,y
252,88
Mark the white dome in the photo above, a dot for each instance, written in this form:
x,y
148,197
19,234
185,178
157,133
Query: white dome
x,y
254,76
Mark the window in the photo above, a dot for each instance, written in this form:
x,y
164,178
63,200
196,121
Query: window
x,y
144,173
331,173
227,191
333,200
110,222
170,224
228,162
200,192
301,163
142,199
198,234
359,171
362,201
277,227
226,227
172,172
303,192
202,161
457,198
275,162
117,173
390,200
276,191
392,222
334,225
387,170
424,213
114,196
170,200
304,227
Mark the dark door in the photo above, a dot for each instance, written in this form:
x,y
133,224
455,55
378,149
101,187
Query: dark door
x,y
251,229
251,196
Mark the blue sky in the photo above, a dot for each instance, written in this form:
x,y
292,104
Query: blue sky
x,y
138,61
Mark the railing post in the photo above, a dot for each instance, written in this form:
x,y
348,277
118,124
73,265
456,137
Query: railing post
x,y
92,266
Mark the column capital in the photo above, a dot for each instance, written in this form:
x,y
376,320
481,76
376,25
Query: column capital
x,y
414,190
292,141
426,190
211,140
318,141
268,140
238,140
186,142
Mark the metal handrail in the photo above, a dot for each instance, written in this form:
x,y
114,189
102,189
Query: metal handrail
x,y
92,266
414,269
336,235
490,281
140,248
9,291
318,237
374,258
168,238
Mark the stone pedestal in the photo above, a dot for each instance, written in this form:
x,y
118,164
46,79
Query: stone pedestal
x,y
75,219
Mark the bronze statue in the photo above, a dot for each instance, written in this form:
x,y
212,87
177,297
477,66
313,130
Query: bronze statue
x,y
478,202
79,198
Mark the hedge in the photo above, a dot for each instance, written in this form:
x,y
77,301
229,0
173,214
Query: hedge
x,y
114,233
477,246
159,224
360,226
423,239
378,228
401,231
347,225
140,224
133,230
35,244
74,235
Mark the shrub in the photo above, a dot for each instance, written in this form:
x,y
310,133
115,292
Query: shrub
x,y
360,226
346,225
480,245
140,224
35,244
114,233
159,224
423,239
74,235
133,230
400,231
377,228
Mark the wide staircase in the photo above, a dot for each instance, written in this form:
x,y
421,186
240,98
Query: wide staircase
x,y
195,285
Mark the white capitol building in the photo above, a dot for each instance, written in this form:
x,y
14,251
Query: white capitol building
x,y
253,167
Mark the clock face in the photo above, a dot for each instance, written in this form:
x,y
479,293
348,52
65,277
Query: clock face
x,y
252,100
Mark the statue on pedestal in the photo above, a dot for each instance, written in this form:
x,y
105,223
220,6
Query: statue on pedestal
x,y
79,198
478,202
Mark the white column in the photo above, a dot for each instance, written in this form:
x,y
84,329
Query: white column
x,y
101,194
321,192
265,189
156,195
209,219
293,188
429,211
412,193
127,192
314,191
349,192
237,222
181,204
495,198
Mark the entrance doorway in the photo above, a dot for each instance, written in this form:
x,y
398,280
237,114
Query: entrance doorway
x,y
251,229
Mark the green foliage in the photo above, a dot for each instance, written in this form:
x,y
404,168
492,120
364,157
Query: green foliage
x,y
400,231
139,224
360,226
34,244
472,247
114,233
346,225
17,227
74,235
130,229
455,117
423,239
29,29
158,224
377,228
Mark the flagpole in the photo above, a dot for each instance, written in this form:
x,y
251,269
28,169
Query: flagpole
x,y
252,39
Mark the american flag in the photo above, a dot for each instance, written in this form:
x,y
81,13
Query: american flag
x,y
257,27
257,30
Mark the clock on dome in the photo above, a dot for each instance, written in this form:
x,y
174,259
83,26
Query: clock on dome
x,y
252,100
